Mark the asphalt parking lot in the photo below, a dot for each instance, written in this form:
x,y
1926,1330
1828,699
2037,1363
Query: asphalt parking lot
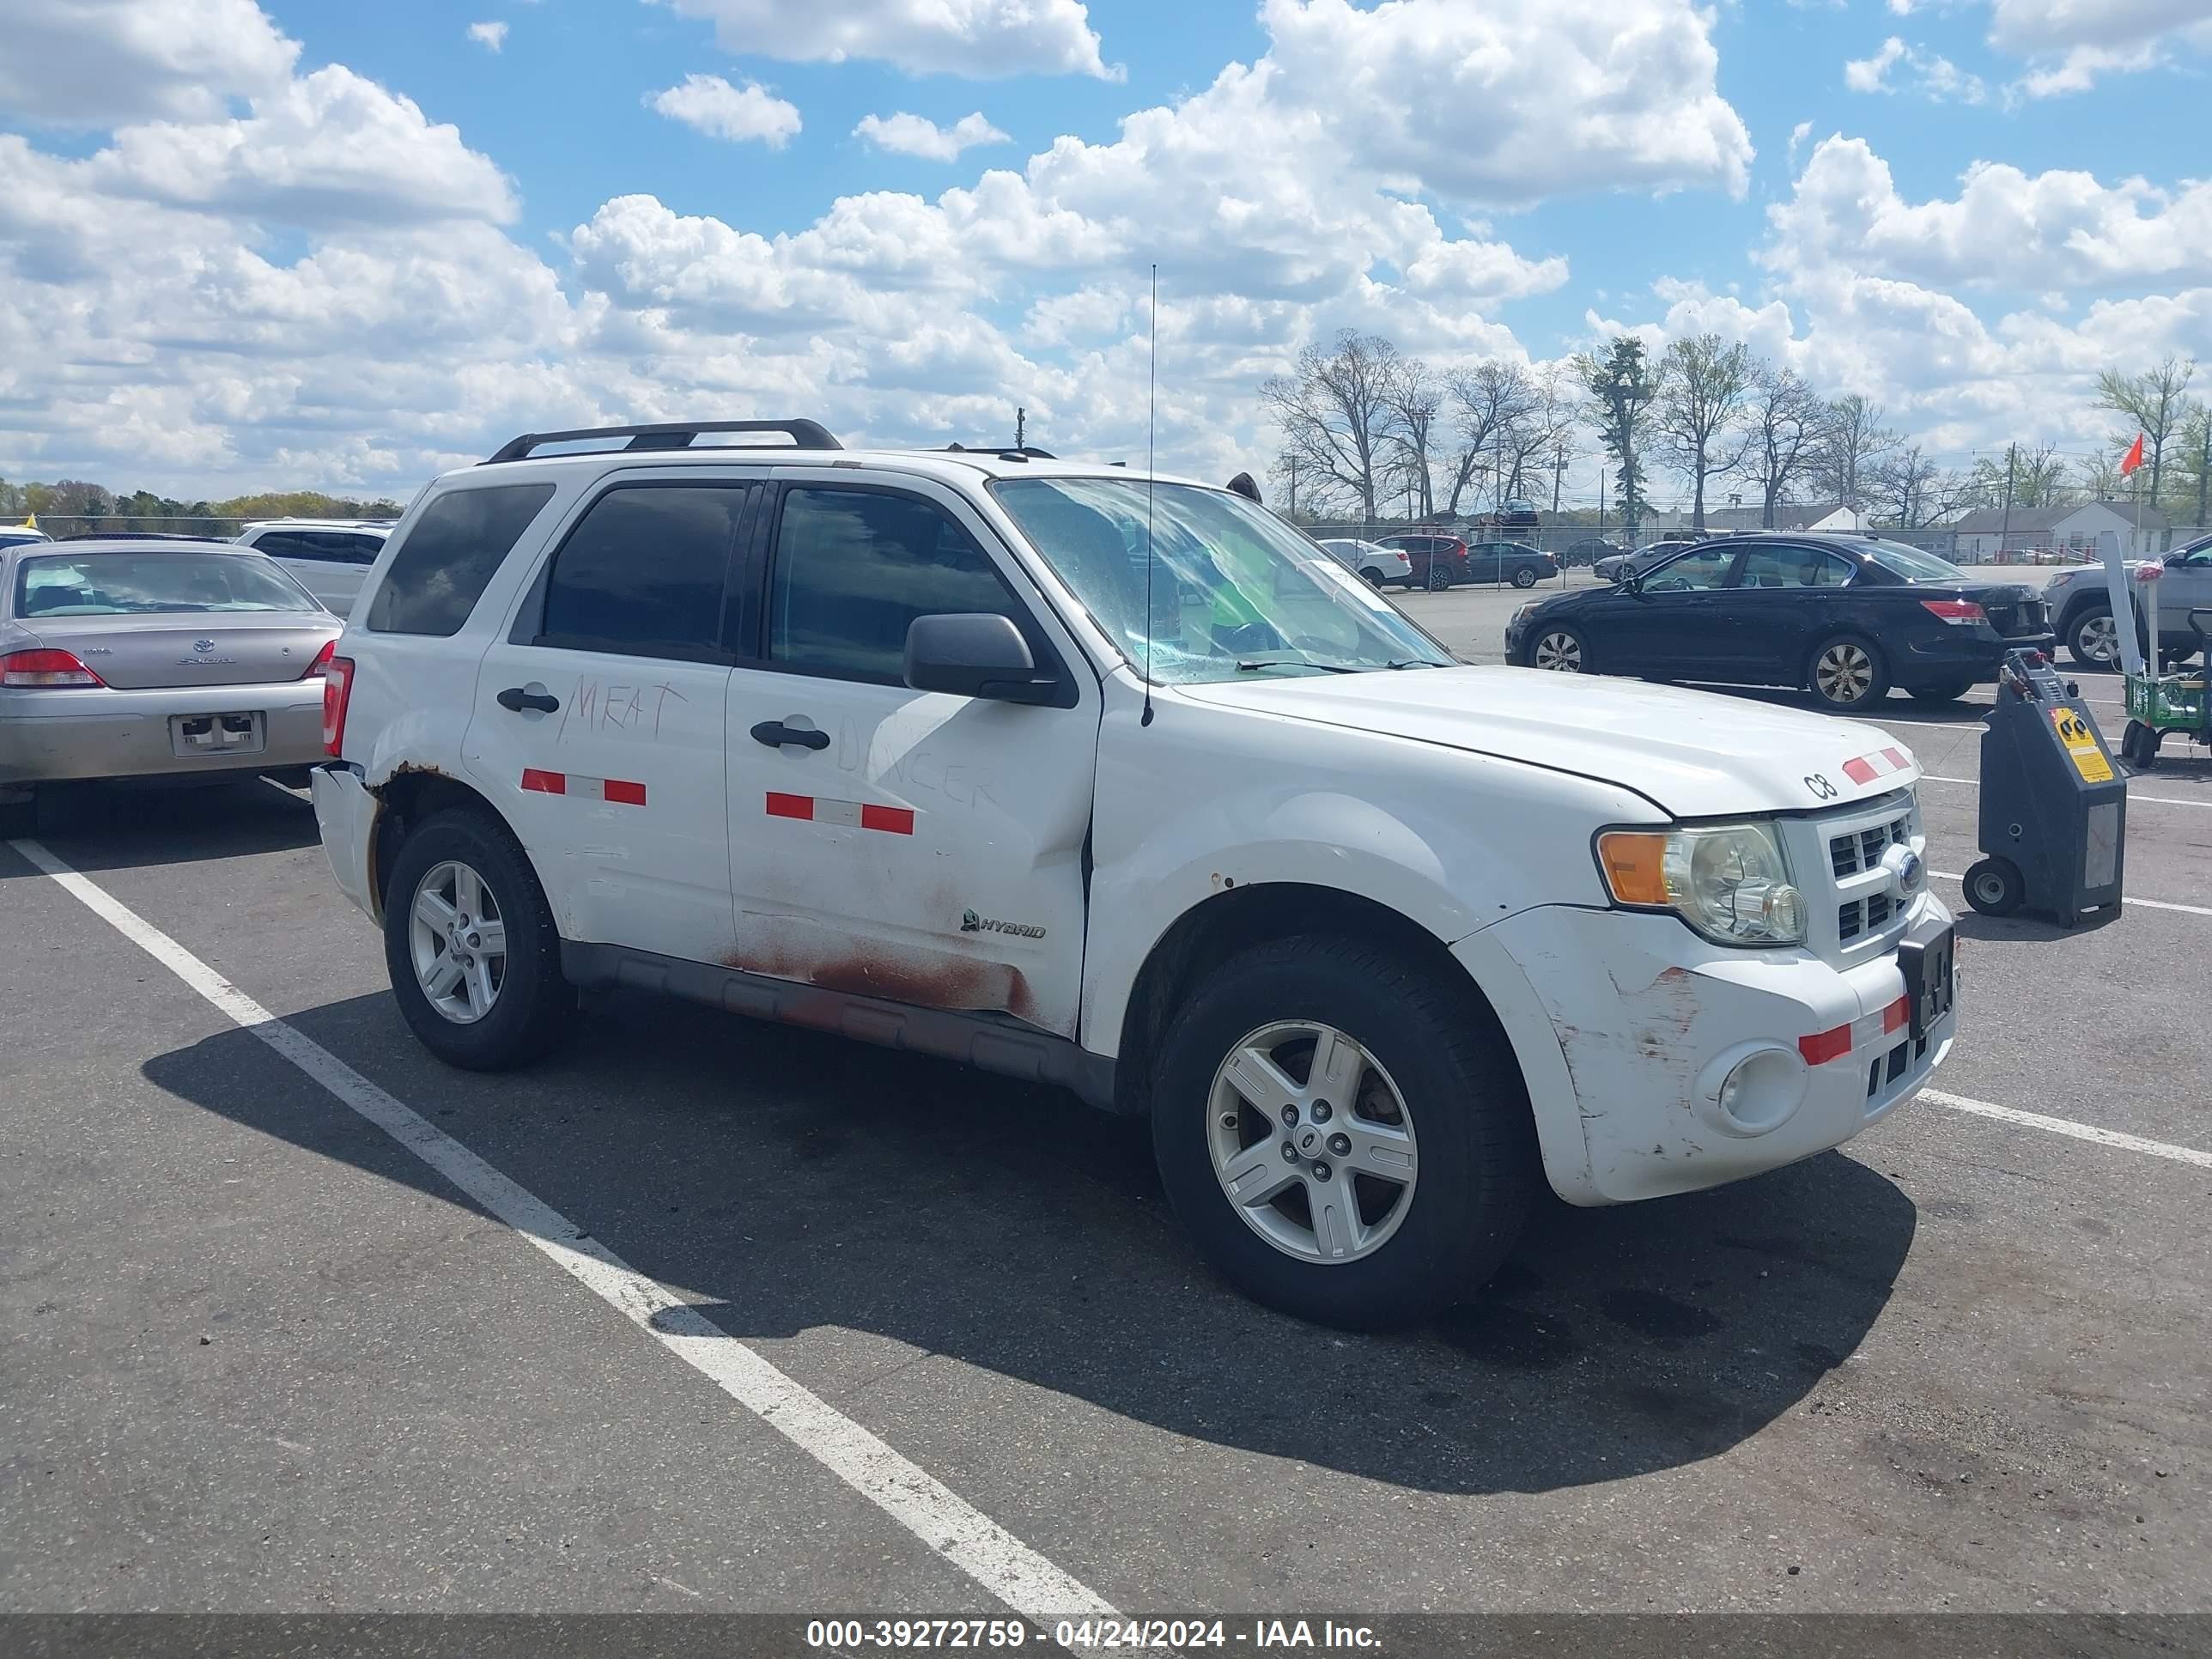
x,y
263,1356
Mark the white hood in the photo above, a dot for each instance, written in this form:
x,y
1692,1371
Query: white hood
x,y
1696,753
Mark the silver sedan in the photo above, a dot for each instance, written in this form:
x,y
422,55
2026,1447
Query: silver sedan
x,y
145,659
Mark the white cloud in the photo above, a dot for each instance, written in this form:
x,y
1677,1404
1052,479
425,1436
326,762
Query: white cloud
x,y
981,39
1934,76
2058,229
1798,134
492,36
95,63
2069,44
913,135
719,110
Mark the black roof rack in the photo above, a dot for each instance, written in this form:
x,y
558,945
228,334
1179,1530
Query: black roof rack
x,y
1010,453
670,434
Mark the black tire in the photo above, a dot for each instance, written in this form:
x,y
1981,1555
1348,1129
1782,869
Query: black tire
x,y
1524,575
2139,746
1994,887
2095,611
1373,579
1872,686
535,1006
1950,691
1578,657
1478,1167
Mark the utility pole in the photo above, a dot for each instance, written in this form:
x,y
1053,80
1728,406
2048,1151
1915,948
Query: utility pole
x,y
1558,472
2004,534
1294,486
1601,503
1021,426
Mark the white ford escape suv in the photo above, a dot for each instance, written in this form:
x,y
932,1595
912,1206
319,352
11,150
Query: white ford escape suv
x,y
1117,783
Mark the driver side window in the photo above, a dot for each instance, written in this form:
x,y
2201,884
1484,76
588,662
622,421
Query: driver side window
x,y
1699,572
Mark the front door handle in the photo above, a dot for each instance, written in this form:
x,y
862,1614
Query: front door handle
x,y
516,698
776,734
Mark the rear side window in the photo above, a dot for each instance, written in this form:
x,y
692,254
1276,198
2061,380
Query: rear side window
x,y
642,573
446,562
853,568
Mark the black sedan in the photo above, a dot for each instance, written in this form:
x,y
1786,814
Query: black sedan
x,y
1849,616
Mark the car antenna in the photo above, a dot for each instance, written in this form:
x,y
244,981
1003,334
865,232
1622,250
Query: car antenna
x,y
1151,423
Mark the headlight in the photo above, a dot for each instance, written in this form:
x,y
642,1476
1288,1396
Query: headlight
x,y
1730,881
1521,615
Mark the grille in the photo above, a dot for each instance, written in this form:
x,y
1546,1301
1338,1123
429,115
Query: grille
x,y
1863,916
1850,853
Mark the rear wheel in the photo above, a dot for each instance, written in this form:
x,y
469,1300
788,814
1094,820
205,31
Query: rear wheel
x,y
1524,575
1848,673
1374,577
1994,887
470,943
1950,691
1345,1133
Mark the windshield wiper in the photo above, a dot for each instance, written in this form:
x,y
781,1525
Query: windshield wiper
x,y
1294,662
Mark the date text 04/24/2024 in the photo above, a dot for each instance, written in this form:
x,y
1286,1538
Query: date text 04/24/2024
x,y
1262,1635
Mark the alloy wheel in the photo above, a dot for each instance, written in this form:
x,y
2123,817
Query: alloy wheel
x,y
457,940
1312,1142
1561,653
2099,639
1844,672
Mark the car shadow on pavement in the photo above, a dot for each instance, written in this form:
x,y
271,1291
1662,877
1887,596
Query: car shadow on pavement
x,y
791,1181
118,826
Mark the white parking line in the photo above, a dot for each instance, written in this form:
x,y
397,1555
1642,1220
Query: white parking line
x,y
2068,1126
2147,904
1016,1574
2155,800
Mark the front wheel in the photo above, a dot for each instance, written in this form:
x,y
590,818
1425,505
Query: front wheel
x,y
470,943
1848,673
1374,578
1344,1132
1524,575
2092,639
1994,887
1560,650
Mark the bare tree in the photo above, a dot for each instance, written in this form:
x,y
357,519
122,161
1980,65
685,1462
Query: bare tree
x,y
1621,388
1914,492
1415,399
1334,411
1787,422
2157,401
1488,400
2196,456
1856,439
1703,385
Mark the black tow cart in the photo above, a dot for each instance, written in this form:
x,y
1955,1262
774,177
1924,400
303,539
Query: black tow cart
x,y
2054,808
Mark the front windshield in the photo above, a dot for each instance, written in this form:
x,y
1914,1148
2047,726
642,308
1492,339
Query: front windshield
x,y
1911,564
1235,593
149,584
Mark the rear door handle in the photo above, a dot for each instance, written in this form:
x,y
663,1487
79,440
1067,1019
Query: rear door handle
x,y
516,698
776,734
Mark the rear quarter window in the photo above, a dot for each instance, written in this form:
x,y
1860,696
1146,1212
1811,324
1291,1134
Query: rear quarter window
x,y
447,557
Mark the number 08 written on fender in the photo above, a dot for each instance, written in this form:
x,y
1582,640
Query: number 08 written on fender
x,y
957,1633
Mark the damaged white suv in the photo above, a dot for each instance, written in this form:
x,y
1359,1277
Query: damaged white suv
x,y
1117,783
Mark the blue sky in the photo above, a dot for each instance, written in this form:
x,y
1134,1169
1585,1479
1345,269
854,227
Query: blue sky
x,y
299,243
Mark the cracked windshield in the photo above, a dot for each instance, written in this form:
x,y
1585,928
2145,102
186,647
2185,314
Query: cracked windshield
x,y
1234,592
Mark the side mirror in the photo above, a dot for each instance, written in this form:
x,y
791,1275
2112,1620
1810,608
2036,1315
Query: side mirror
x,y
974,654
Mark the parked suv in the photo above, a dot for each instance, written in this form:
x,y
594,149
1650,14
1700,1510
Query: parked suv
x,y
326,556
2081,607
1433,562
1121,783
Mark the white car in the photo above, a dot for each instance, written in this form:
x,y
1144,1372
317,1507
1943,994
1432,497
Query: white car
x,y
1378,564
327,556
1119,783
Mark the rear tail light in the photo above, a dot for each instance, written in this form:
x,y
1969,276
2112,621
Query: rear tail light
x,y
45,669
322,660
1960,613
337,689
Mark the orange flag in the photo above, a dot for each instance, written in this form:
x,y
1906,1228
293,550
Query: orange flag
x,y
2134,457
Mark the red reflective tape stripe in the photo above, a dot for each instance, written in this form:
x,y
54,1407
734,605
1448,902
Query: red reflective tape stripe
x,y
624,794
1895,759
891,820
1858,771
790,806
544,783
1894,1016
1825,1046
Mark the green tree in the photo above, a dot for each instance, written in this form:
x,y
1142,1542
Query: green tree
x,y
1622,389
2157,401
1704,386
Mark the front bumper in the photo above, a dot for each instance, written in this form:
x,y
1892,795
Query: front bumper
x,y
67,736
1649,1019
